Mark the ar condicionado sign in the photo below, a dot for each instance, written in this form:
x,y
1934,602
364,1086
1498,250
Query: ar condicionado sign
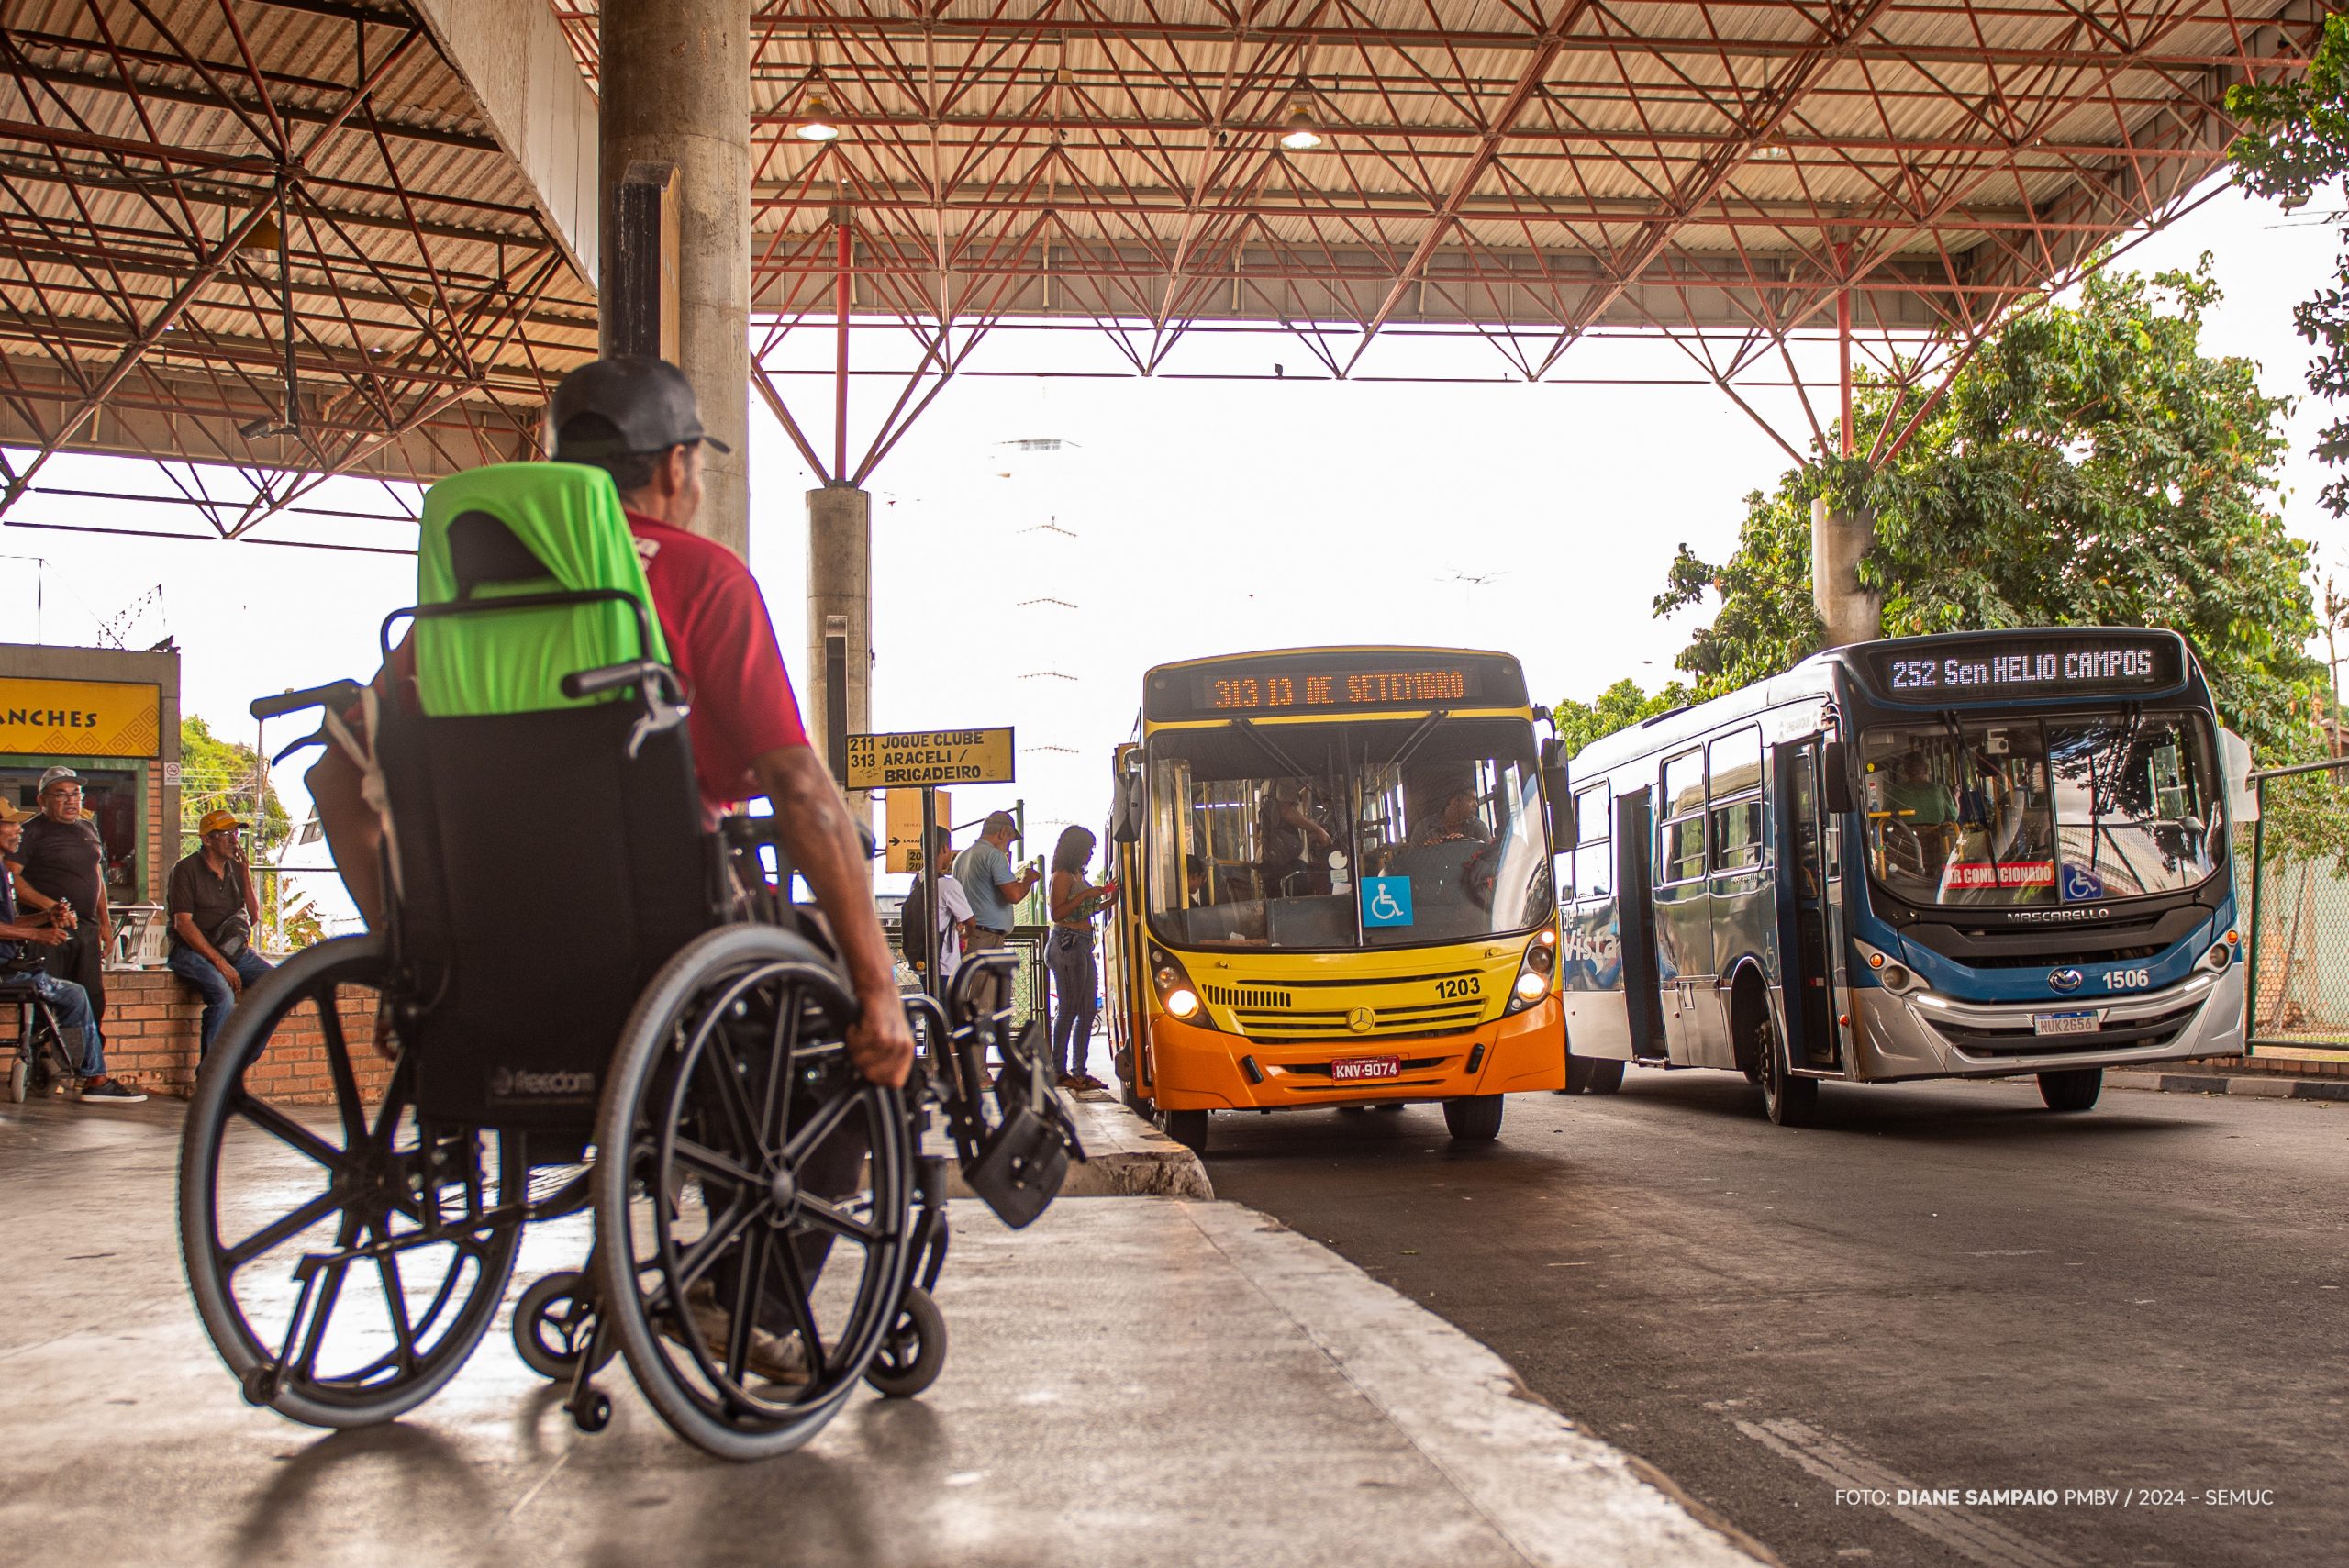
x,y
930,757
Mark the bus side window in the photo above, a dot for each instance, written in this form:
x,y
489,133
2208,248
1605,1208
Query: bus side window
x,y
1736,795
1594,856
1680,839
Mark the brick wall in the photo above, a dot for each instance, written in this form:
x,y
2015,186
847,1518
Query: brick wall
x,y
2289,1066
153,1025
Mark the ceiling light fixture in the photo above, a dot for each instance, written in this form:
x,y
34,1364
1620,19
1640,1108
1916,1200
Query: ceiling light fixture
x,y
817,123
1300,135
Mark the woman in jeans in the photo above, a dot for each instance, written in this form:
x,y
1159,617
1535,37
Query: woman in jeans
x,y
1068,954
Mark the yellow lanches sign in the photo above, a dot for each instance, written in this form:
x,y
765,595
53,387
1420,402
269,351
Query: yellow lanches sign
x,y
81,719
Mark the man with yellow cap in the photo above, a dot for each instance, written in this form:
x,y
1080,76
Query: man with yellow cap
x,y
214,912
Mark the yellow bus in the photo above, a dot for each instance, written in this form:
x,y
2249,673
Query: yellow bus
x,y
1336,888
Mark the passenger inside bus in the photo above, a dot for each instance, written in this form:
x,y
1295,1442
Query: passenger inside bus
x,y
1295,840
1459,820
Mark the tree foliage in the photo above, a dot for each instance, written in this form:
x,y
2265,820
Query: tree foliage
x,y
2089,466
1620,707
216,775
2296,141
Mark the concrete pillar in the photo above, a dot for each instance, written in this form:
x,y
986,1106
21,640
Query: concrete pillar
x,y
676,90
1838,541
839,602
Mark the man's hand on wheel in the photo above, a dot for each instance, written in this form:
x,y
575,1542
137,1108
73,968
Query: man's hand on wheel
x,y
880,1042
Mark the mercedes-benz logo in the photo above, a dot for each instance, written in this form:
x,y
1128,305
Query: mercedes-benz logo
x,y
1360,1020
2063,980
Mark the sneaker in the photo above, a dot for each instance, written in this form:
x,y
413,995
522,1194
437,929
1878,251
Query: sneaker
x,y
109,1092
777,1358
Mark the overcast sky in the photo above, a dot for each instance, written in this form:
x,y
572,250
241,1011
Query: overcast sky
x,y
1177,519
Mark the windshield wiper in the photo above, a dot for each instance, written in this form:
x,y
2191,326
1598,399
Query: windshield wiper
x,y
1417,738
1288,764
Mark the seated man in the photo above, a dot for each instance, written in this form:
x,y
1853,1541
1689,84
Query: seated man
x,y
1458,821
77,1029
213,911
635,417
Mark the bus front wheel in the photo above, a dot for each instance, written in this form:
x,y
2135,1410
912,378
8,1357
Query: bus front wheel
x,y
1790,1101
1606,1076
1188,1129
1473,1118
2074,1089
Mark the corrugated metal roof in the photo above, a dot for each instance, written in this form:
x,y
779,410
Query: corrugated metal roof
x,y
1725,163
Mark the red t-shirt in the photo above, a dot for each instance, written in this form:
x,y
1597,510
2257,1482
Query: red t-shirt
x,y
721,642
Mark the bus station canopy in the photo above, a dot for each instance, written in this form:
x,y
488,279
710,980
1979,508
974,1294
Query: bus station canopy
x,y
325,236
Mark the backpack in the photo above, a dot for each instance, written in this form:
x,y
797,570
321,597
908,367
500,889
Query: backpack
x,y
913,925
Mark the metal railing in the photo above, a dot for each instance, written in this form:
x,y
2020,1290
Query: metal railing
x,y
2297,998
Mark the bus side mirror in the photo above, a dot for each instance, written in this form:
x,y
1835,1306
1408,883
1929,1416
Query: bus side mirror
x,y
1558,785
1127,827
2242,795
1835,777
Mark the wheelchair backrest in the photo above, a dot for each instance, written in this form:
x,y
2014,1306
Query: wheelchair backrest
x,y
552,857
518,529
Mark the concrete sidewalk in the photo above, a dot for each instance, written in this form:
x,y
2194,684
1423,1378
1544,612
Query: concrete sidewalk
x,y
1133,1381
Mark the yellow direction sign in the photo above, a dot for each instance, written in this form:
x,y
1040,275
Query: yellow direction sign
x,y
930,757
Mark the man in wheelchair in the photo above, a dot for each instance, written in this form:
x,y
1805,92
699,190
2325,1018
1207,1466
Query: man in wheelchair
x,y
635,417
592,990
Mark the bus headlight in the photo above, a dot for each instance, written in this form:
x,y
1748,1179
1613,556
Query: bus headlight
x,y
1175,992
1536,974
2222,954
1895,976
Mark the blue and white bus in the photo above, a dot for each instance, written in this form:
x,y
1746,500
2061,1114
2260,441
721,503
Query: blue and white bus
x,y
1981,854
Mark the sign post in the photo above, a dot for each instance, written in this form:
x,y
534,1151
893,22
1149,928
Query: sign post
x,y
927,760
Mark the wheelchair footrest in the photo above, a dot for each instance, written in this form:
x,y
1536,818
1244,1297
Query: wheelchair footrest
x,y
1021,1165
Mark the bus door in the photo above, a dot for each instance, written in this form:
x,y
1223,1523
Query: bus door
x,y
1809,905
1683,913
1635,892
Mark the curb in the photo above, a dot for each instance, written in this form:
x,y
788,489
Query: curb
x,y
2270,1088
1125,1156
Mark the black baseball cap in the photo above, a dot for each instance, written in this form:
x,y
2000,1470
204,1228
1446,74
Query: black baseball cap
x,y
648,401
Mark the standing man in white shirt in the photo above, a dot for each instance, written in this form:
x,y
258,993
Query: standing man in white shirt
x,y
953,915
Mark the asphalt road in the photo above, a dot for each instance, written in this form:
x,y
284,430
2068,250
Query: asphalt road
x,y
1939,1288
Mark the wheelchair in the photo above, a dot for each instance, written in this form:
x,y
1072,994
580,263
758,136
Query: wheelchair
x,y
581,1000
37,1055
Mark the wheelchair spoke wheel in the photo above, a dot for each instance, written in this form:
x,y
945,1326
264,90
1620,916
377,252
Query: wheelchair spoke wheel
x,y
753,1196
345,1259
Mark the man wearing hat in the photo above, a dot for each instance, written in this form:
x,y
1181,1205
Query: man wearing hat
x,y
62,860
22,938
214,910
634,416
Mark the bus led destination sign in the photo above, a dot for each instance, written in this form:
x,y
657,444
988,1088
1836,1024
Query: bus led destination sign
x,y
1272,691
2038,667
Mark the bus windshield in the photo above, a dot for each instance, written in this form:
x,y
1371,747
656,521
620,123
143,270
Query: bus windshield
x,y
1346,836
2065,809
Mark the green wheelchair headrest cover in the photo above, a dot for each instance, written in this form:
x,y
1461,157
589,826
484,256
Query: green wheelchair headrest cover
x,y
568,515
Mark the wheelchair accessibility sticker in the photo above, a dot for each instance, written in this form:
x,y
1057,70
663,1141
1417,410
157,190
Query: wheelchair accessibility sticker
x,y
1386,901
2080,885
